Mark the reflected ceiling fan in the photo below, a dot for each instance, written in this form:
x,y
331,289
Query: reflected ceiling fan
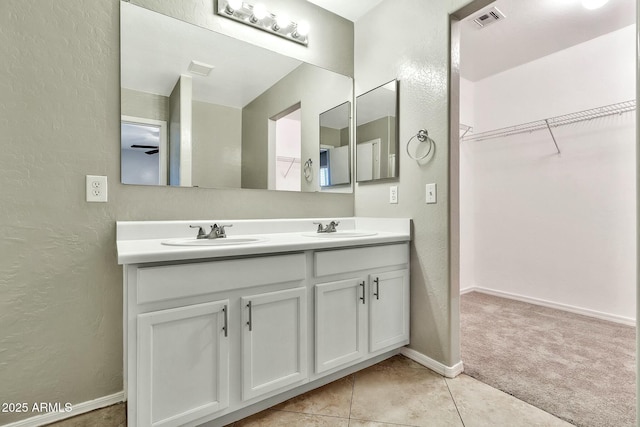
x,y
153,149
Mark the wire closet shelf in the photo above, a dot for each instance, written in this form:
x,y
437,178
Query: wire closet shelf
x,y
607,110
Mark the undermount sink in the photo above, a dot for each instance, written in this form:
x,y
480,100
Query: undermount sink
x,y
341,234
226,241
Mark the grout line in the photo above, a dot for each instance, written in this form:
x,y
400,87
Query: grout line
x,y
353,386
310,414
385,423
454,401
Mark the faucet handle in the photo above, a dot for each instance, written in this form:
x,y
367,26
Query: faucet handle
x,y
332,226
320,227
221,232
201,233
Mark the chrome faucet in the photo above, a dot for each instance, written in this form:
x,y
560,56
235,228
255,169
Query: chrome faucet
x,y
201,233
330,228
217,231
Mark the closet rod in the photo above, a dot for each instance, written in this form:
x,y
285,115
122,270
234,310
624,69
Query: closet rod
x,y
607,110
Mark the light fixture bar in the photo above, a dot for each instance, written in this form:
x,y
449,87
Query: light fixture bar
x,y
258,17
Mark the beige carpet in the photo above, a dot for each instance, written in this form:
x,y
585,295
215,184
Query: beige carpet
x,y
577,368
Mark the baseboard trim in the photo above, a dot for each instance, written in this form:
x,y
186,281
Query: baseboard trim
x,y
559,306
467,290
434,365
77,409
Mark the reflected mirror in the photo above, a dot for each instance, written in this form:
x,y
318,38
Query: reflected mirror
x,y
202,109
377,133
335,134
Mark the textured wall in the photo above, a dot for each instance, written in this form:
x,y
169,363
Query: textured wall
x,y
60,285
416,51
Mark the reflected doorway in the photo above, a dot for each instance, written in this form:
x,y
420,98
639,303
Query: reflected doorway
x,y
143,151
285,150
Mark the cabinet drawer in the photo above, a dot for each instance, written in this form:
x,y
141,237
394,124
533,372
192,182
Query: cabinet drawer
x,y
178,281
357,259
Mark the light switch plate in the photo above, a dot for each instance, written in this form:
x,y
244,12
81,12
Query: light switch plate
x,y
393,194
96,188
430,193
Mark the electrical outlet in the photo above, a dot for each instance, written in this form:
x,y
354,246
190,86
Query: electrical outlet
x,y
96,188
430,190
393,194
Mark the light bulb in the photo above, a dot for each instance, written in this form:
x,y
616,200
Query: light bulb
x,y
259,12
282,21
233,5
302,29
593,4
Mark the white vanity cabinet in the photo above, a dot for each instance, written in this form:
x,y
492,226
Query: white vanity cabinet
x,y
215,332
365,310
388,309
194,348
274,341
340,323
183,363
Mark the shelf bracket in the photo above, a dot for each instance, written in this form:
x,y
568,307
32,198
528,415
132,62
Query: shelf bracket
x,y
293,160
552,136
466,129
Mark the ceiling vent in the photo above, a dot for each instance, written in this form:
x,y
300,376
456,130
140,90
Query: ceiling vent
x,y
200,68
489,17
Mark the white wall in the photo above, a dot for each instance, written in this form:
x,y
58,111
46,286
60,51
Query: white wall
x,y
558,228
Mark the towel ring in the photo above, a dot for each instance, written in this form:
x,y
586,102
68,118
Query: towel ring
x,y
420,141
308,170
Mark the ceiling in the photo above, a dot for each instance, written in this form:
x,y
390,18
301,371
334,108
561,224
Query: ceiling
x,y
532,29
349,9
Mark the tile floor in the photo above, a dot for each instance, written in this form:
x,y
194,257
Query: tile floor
x,y
396,392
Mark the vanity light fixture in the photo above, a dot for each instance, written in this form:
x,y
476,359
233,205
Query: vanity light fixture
x,y
259,17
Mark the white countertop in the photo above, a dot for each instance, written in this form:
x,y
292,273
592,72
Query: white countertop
x,y
141,241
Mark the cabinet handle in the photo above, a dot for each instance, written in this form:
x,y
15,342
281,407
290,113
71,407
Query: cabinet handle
x,y
363,293
377,292
250,322
226,321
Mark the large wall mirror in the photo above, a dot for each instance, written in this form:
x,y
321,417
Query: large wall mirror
x,y
202,109
377,133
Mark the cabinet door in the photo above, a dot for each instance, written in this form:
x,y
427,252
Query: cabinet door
x,y
339,323
389,309
274,341
183,364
